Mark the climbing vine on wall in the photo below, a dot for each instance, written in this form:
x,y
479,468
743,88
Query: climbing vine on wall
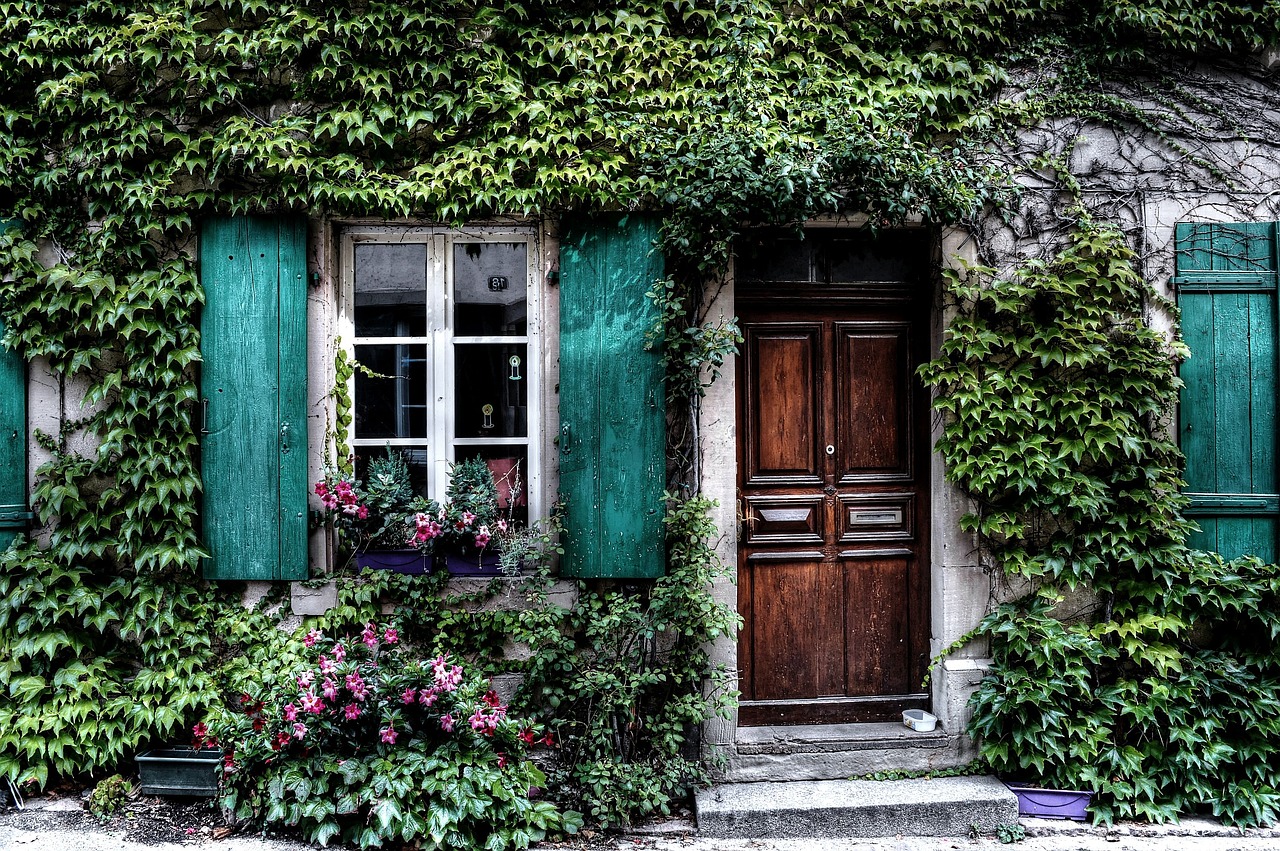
x,y
124,123
1055,395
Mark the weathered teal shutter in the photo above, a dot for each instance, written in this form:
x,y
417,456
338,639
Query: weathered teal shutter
x,y
14,513
253,393
612,420
1226,284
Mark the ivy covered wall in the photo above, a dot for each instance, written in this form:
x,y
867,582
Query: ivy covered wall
x,y
125,123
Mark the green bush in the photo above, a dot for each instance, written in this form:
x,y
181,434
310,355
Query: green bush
x,y
362,741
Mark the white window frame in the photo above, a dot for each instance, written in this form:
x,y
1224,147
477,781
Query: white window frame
x,y
442,445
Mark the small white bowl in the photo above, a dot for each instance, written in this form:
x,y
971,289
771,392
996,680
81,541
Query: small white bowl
x,y
919,720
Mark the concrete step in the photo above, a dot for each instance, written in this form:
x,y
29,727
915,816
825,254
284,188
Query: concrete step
x,y
945,806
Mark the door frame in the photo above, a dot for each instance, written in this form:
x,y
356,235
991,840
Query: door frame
x,y
959,589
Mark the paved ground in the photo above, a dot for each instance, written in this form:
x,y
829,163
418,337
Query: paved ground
x,y
63,825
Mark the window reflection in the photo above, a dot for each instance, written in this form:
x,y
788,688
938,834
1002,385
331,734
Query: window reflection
x,y
391,290
490,288
391,391
491,390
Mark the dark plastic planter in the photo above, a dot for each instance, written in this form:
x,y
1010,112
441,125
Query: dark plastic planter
x,y
473,563
179,771
396,561
1051,803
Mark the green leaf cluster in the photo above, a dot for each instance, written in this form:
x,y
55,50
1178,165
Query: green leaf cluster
x,y
1154,688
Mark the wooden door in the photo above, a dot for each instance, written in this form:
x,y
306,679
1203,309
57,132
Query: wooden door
x,y
253,397
833,461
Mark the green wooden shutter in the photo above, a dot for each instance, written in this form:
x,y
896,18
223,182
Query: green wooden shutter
x,y
14,512
1226,283
612,405
253,389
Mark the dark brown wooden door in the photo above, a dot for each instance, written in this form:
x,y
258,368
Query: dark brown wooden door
x,y
833,461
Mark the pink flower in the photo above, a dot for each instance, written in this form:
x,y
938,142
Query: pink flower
x,y
502,525
326,665
312,637
502,760
290,712
362,512
388,735
322,489
200,730
305,679
299,730
369,636
427,697
351,711
391,636
330,688
312,704
482,537
355,684
339,653
407,696
446,723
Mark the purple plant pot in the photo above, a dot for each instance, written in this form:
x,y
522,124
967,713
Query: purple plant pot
x,y
396,561
1051,803
471,562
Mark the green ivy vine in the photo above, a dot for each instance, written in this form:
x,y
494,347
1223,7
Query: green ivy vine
x,y
125,122
1155,689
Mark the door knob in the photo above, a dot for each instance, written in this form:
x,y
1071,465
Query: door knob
x,y
831,450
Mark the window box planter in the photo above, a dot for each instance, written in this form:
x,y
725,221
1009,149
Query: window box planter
x,y
1050,803
179,771
397,561
473,562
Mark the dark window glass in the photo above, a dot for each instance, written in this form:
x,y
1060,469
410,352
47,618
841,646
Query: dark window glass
x,y
391,290
393,401
490,288
509,465
417,458
491,387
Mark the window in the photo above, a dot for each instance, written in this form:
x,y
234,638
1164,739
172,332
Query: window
x,y
1226,276
444,329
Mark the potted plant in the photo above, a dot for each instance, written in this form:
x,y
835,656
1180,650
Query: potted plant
x,y
375,518
470,522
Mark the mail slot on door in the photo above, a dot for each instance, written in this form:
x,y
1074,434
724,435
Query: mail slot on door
x,y
875,517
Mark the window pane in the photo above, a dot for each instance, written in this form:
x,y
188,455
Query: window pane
x,y
509,465
416,457
490,390
490,288
775,259
394,402
889,256
391,290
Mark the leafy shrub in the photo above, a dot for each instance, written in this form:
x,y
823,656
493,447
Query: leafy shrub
x,y
360,740
109,797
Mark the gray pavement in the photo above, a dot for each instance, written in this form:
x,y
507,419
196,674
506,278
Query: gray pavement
x,y
65,827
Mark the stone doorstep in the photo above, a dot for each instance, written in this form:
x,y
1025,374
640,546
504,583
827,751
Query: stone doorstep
x,y
838,751
835,738
948,806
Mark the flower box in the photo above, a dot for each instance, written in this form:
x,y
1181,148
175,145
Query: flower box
x,y
472,562
1051,803
397,561
179,771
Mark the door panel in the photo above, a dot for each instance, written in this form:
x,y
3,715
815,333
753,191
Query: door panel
x,y
872,384
833,555
782,432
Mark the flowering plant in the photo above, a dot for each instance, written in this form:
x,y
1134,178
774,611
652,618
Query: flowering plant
x,y
364,739
378,513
